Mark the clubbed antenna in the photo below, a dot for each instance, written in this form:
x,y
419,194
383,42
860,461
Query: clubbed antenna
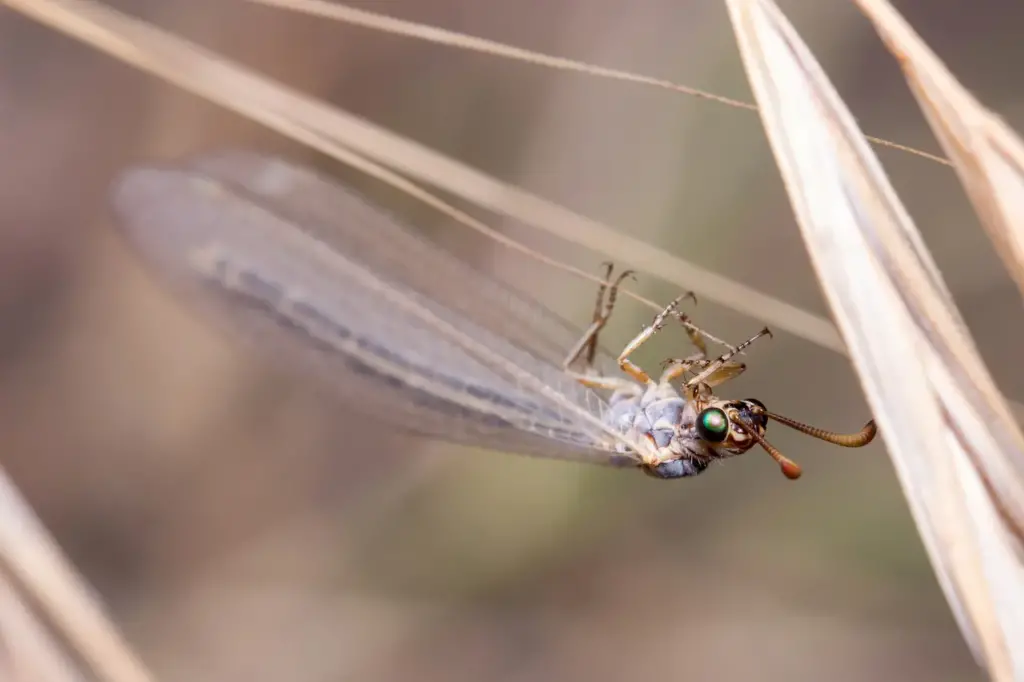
x,y
791,469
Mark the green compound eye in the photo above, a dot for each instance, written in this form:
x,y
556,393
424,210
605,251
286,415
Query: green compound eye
x,y
712,425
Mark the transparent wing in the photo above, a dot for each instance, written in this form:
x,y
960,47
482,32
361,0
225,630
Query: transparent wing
x,y
335,287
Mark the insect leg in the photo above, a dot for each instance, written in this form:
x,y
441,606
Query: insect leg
x,y
604,383
695,334
631,368
603,306
721,369
675,367
727,371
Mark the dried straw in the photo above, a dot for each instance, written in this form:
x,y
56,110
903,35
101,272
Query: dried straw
x,y
957,449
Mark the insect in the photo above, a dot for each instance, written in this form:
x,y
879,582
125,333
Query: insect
x,y
689,427
330,285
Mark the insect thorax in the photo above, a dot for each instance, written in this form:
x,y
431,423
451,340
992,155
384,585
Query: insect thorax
x,y
661,417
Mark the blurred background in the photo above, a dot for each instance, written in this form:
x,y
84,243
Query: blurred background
x,y
241,527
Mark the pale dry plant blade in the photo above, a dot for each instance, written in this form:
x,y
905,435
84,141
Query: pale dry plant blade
x,y
29,554
954,444
380,22
336,11
357,142
987,154
28,651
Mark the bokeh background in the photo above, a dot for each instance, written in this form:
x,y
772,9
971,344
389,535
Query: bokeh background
x,y
241,526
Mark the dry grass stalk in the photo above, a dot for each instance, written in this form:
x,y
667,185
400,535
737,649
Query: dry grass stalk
x,y
952,437
987,154
33,558
371,148
373,20
28,651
